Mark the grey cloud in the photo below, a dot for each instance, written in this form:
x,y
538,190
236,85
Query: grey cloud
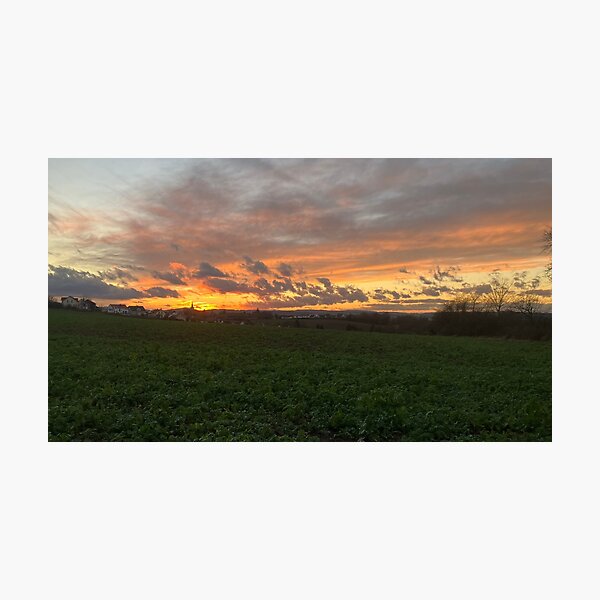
x,y
282,292
436,290
132,267
387,295
161,292
116,274
285,269
277,286
64,281
430,292
284,284
326,282
350,293
227,285
521,282
254,266
316,295
449,274
483,288
169,276
207,270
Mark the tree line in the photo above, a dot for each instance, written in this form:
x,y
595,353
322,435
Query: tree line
x,y
502,295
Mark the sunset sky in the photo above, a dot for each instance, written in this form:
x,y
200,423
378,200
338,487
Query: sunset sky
x,y
379,234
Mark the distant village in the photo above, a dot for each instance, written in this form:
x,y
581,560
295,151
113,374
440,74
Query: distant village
x,y
178,314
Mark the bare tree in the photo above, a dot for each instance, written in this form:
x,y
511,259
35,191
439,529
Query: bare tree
x,y
501,293
547,249
463,302
473,301
527,303
449,305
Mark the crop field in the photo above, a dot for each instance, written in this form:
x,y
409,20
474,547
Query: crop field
x,y
125,379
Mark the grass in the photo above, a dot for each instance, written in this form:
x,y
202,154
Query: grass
x,y
125,379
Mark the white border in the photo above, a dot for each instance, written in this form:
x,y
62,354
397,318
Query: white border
x,y
292,520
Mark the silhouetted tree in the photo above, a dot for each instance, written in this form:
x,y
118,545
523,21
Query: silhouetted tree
x,y
473,300
527,303
547,248
463,302
501,293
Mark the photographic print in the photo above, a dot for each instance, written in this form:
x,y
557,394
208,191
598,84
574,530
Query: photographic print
x,y
290,299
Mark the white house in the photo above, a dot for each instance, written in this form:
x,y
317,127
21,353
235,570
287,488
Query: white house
x,y
70,302
117,309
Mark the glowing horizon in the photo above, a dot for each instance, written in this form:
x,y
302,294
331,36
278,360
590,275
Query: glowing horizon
x,y
372,234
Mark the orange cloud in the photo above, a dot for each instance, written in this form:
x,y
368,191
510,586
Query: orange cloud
x,y
356,222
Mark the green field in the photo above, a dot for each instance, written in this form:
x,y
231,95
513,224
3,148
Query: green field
x,y
125,379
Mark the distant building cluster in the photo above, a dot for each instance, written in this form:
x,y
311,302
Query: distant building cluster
x,y
78,303
122,309
178,314
137,311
